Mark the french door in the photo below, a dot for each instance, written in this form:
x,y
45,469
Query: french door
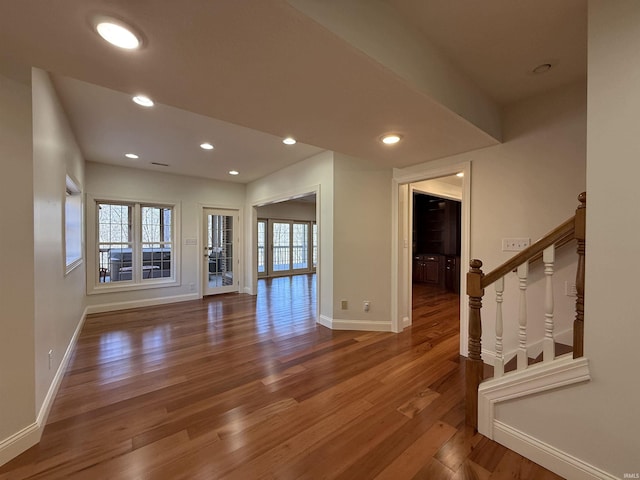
x,y
220,251
292,247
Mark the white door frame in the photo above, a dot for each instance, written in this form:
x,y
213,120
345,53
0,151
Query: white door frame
x,y
401,240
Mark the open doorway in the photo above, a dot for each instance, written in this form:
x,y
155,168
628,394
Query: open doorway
x,y
287,237
436,233
440,184
435,241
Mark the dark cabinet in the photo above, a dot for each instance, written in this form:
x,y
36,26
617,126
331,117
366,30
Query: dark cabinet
x,y
436,241
428,269
452,274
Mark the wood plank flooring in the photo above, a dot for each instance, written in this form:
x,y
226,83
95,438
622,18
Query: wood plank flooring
x,y
242,387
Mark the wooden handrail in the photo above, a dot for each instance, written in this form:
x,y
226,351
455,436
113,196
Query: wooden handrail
x,y
560,243
477,281
554,236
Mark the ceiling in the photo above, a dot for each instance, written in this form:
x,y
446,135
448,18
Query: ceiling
x,y
243,75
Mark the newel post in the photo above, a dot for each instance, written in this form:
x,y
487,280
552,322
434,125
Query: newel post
x,y
473,365
578,324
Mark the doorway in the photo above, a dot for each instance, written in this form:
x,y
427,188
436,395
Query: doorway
x,y
220,260
406,182
435,237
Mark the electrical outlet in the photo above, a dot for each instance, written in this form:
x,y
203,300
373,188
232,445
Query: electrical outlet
x,y
570,289
515,244
344,305
366,305
50,358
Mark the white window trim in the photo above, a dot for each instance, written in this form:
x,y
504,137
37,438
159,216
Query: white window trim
x,y
93,284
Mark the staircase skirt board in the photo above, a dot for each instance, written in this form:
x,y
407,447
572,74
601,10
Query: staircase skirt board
x,y
537,378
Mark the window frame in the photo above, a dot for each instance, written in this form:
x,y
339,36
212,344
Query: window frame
x,y
137,282
72,191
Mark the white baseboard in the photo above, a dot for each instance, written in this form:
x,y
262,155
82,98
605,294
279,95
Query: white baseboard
x,y
26,438
565,337
19,442
112,307
551,458
406,321
364,325
57,379
488,357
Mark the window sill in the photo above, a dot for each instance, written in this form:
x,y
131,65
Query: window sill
x,y
72,266
129,286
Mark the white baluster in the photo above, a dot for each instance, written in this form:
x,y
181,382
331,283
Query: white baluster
x,y
498,366
548,348
523,360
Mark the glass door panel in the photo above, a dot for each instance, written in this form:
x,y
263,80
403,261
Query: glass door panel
x,y
291,247
262,247
300,246
281,247
219,252
314,243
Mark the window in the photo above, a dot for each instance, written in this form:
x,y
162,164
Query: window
x,y
134,243
72,225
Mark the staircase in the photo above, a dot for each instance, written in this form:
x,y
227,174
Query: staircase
x,y
526,373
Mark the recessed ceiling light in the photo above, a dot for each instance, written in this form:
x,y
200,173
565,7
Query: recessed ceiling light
x,y
460,174
142,100
289,141
118,33
131,155
391,139
542,68
206,146
234,172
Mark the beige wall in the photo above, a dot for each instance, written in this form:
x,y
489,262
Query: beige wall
x,y
444,187
362,242
599,421
59,299
291,210
190,194
525,188
17,311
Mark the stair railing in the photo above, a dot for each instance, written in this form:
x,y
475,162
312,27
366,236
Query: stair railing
x,y
477,281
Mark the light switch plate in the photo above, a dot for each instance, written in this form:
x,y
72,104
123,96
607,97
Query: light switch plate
x,y
515,244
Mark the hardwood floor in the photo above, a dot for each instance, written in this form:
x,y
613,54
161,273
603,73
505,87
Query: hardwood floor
x,y
244,387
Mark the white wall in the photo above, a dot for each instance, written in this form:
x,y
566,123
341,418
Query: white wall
x,y
362,243
189,193
599,421
17,312
524,188
314,174
59,299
